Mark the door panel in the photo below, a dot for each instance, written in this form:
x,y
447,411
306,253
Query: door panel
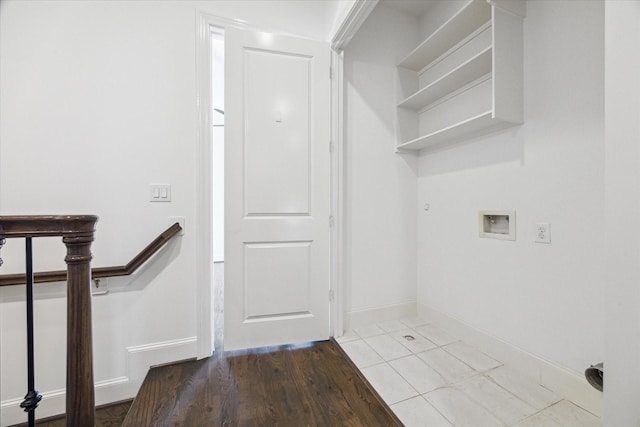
x,y
277,190
277,279
277,133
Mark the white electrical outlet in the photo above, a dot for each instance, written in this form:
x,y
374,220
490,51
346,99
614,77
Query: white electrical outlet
x,y
543,232
99,286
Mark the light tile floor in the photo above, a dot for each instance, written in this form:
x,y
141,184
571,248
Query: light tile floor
x,y
430,378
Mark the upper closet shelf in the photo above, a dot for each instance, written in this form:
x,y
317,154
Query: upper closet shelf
x,y
473,15
467,72
474,126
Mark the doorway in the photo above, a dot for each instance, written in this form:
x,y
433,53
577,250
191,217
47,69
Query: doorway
x,y
267,281
217,160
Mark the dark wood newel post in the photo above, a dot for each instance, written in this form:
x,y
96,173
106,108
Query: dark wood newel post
x,y
80,391
77,234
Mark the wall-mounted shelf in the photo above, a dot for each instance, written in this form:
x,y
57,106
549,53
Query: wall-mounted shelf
x,y
471,16
474,126
460,76
468,75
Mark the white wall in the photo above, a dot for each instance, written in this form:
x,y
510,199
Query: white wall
x,y
622,227
380,194
98,101
544,299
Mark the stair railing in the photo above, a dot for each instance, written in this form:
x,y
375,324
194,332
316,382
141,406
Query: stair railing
x,y
77,234
99,272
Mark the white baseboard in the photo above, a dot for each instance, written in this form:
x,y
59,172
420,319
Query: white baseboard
x,y
556,378
140,359
365,317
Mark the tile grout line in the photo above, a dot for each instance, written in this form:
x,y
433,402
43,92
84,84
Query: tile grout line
x,y
387,362
485,374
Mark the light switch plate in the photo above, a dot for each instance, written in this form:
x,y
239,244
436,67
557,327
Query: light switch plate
x,y
159,192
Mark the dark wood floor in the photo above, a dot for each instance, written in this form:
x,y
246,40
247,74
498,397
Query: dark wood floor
x,y
316,385
111,415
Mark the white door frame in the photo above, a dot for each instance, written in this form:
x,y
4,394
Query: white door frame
x,y
352,21
337,196
204,182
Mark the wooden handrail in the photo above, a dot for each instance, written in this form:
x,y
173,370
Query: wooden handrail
x,y
99,272
77,234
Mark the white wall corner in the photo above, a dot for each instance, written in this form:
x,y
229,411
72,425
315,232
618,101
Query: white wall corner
x,y
622,209
373,315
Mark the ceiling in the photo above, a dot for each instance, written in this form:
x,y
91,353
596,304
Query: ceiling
x,y
411,7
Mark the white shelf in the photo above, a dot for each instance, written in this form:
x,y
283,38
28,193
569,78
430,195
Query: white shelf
x,y
469,84
476,125
472,16
471,70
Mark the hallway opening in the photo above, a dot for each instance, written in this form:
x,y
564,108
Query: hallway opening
x,y
217,143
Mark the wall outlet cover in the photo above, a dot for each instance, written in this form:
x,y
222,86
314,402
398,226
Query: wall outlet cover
x,y
543,232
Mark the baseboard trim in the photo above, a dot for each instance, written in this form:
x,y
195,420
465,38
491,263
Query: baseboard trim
x,y
54,401
365,317
140,359
549,375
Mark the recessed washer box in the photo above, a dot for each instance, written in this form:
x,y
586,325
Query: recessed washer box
x,y
497,224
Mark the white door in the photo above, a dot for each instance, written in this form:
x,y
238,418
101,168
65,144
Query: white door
x,y
277,183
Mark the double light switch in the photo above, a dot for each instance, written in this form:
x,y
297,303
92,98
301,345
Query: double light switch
x,y
160,192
